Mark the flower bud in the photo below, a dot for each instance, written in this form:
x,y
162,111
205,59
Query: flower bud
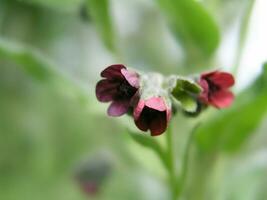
x,y
153,110
92,174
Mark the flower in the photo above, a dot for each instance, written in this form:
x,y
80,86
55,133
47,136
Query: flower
x,y
152,114
215,87
119,86
89,188
93,173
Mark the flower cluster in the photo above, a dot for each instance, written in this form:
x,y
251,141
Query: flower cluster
x,y
151,98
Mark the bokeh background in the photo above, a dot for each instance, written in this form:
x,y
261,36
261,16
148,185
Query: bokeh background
x,y
55,137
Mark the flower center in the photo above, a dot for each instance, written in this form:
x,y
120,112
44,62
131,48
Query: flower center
x,y
150,114
213,87
125,90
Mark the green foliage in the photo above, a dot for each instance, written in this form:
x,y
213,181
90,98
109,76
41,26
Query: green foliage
x,y
229,129
31,61
100,13
184,92
192,26
61,5
148,142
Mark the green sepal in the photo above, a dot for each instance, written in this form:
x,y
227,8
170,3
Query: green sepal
x,y
187,85
185,91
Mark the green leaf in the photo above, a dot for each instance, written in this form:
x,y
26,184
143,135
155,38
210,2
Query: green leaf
x,y
40,68
61,5
227,130
192,26
99,11
184,91
149,142
31,61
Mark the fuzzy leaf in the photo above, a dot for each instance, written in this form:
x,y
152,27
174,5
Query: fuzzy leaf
x,y
192,25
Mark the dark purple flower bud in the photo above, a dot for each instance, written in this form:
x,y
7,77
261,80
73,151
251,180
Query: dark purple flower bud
x,y
119,86
152,114
92,174
90,188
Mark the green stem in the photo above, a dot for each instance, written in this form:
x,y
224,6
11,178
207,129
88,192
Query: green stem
x,y
185,161
243,30
177,186
171,163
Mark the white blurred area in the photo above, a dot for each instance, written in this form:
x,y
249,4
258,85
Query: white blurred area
x,y
255,49
255,52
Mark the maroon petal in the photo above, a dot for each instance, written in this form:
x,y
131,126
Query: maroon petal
x,y
222,99
156,103
90,188
135,99
208,74
131,77
159,124
105,90
113,71
118,108
222,79
141,123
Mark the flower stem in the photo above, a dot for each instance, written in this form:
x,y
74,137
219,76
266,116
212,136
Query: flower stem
x,y
185,161
171,164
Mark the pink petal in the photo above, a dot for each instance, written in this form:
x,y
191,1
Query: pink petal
x,y
222,99
105,90
118,108
204,85
138,109
169,114
159,124
156,103
131,77
204,94
113,71
222,79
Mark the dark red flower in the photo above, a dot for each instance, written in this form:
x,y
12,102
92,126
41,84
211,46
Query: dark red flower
x,y
215,87
119,87
152,114
91,175
89,188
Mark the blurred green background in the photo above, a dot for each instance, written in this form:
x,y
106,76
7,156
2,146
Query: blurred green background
x,y
51,54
